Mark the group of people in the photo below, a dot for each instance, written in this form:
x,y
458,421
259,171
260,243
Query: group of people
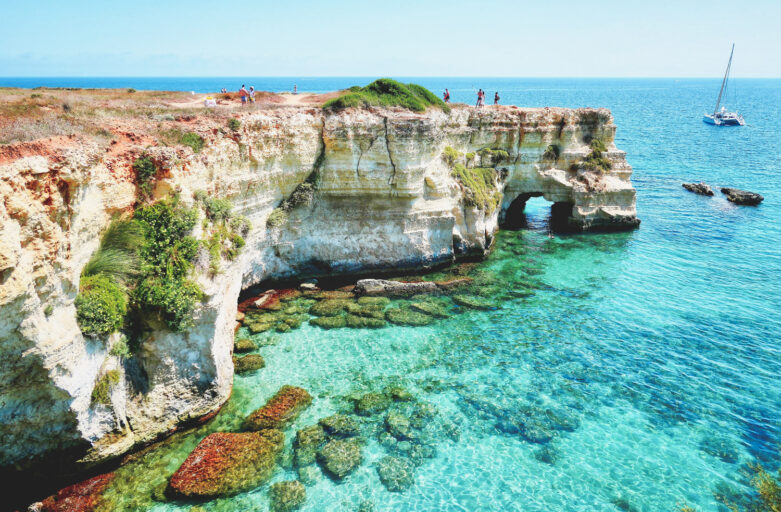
x,y
247,95
480,97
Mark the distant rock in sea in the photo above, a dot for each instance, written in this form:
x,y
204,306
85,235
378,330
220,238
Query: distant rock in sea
x,y
699,188
742,197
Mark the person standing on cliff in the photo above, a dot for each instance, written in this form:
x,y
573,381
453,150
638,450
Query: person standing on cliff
x,y
479,97
252,94
446,96
496,98
243,92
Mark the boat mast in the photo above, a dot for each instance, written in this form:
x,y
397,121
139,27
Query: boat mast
x,y
724,82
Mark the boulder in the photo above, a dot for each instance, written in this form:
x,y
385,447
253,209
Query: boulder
x,y
340,457
395,474
372,403
400,394
80,497
364,322
308,287
742,197
248,363
244,345
699,188
340,425
393,288
474,302
406,316
280,410
287,496
226,463
308,441
329,322
430,308
398,425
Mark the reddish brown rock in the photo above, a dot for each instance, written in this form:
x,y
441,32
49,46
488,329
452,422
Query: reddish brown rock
x,y
280,410
81,497
226,463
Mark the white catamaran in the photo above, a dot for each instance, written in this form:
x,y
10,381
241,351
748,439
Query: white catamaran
x,y
723,117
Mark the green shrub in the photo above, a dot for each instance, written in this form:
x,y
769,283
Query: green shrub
x,y
234,124
240,225
101,393
117,256
200,196
552,152
387,93
48,310
101,305
277,218
145,170
479,187
193,140
217,209
595,161
35,95
470,157
165,223
131,91
120,348
302,195
450,156
173,299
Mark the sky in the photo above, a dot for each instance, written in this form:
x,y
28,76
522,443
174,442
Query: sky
x,y
558,38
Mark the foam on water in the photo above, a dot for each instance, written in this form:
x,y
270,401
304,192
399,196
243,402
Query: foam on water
x,y
650,359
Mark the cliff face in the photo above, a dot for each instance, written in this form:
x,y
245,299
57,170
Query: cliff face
x,y
384,198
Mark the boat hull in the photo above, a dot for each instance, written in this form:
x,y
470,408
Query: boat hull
x,y
722,121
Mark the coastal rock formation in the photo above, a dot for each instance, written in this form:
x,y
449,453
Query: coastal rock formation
x,y
699,188
280,410
742,197
325,193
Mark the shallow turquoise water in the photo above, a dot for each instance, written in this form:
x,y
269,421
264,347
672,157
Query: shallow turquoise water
x,y
659,348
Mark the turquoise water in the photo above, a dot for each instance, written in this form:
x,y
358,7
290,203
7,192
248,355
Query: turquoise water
x,y
649,362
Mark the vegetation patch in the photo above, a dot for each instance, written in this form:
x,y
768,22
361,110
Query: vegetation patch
x,y
596,161
145,170
193,140
101,393
234,124
479,184
552,152
387,93
406,316
101,305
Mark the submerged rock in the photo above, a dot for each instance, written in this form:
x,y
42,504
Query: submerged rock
x,y
226,463
379,302
339,457
84,496
400,394
398,425
248,363
363,322
393,288
405,316
474,302
329,307
699,188
280,410
287,496
308,441
395,474
309,475
340,425
742,197
244,345
372,403
329,322
430,308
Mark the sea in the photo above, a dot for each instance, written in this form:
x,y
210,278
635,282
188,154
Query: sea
x,y
636,371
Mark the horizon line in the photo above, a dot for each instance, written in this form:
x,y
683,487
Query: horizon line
x,y
398,76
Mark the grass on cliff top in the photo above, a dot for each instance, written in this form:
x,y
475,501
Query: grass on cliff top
x,y
387,93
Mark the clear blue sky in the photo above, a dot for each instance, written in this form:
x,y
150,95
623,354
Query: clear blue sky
x,y
612,38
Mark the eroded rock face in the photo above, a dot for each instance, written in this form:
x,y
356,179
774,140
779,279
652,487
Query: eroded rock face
x,y
226,463
384,198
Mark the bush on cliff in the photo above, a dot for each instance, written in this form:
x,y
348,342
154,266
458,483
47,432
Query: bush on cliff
x,y
595,161
479,185
117,256
101,305
387,93
193,140
101,393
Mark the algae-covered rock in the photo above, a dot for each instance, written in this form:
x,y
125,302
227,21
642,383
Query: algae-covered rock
x,y
374,287
287,496
366,506
471,301
280,410
329,322
340,425
372,403
83,496
226,463
329,307
308,441
258,327
367,310
395,474
430,308
364,322
398,425
405,316
340,457
282,327
400,394
248,363
379,302
244,345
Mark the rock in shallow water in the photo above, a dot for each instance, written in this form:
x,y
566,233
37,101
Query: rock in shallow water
x,y
699,188
244,345
287,496
393,288
395,474
280,410
308,441
406,316
248,363
339,458
227,463
340,425
372,403
81,497
742,197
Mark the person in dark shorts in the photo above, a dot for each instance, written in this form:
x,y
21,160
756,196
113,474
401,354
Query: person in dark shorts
x,y
496,98
446,96
243,92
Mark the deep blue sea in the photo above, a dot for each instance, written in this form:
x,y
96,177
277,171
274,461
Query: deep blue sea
x,y
645,365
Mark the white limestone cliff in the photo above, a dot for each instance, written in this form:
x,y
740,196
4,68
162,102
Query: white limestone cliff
x,y
384,199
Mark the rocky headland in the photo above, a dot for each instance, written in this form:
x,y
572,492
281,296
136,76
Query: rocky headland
x,y
322,192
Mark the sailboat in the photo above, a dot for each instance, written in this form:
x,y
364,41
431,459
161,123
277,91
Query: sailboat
x,y
724,117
